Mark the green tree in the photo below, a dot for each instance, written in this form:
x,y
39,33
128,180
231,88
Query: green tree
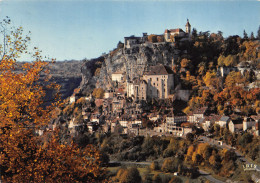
x,y
252,37
258,33
245,35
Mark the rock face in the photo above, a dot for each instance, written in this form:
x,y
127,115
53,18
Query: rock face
x,y
133,61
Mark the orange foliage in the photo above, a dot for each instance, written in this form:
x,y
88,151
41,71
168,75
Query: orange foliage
x,y
23,158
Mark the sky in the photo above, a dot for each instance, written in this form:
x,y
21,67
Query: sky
x,y
78,29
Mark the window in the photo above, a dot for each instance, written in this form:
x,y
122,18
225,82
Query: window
x,y
157,79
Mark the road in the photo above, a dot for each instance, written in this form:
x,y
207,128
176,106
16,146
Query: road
x,y
209,177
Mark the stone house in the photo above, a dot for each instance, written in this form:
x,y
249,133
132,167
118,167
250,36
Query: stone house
x,y
235,125
248,123
209,121
117,105
137,88
223,121
198,114
162,128
176,117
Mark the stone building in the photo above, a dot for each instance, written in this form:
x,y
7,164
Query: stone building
x,y
133,40
160,81
235,125
176,117
118,76
171,34
248,123
223,121
137,88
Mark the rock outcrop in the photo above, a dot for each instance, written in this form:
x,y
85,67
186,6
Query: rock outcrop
x,y
133,61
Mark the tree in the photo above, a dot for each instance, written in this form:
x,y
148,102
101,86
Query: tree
x,y
131,175
157,178
245,35
98,93
185,63
154,165
190,137
175,179
230,60
211,80
258,33
234,79
252,37
152,38
194,33
221,59
168,165
26,157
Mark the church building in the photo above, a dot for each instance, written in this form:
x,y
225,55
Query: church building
x,y
170,35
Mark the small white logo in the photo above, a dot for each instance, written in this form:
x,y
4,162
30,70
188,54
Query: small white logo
x,y
248,167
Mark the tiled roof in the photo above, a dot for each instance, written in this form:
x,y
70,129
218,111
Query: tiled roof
x,y
159,70
173,30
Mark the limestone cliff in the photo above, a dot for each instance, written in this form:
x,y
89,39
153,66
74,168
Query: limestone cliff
x,y
133,61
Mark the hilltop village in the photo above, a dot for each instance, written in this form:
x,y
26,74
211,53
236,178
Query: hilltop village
x,y
149,102
184,103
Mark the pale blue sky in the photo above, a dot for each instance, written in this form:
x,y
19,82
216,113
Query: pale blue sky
x,y
77,29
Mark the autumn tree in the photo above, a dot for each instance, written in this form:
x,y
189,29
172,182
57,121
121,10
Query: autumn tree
x,y
98,93
185,63
234,79
129,175
152,38
25,156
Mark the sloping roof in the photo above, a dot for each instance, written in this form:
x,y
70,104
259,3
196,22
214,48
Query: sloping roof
x,y
173,30
159,70
237,121
224,118
201,110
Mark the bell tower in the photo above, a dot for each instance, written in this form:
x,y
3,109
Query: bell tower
x,y
188,27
